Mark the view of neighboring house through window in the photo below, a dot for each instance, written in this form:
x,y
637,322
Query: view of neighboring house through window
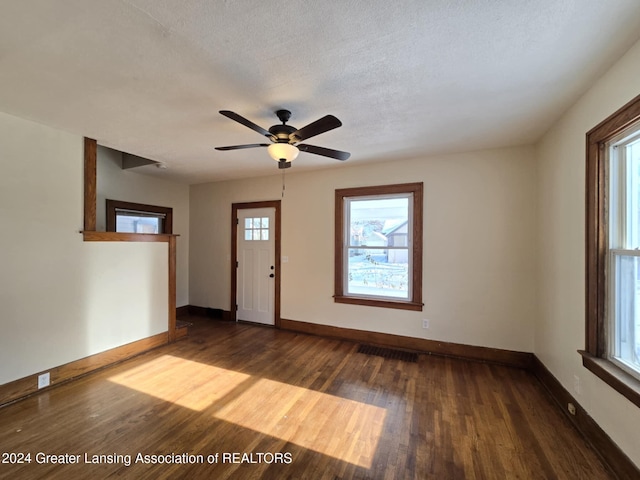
x,y
378,261
378,246
624,248
127,217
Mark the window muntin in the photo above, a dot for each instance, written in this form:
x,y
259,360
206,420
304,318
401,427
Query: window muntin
x,y
378,246
623,319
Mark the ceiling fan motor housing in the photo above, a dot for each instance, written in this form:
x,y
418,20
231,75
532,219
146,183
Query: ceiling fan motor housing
x,y
282,133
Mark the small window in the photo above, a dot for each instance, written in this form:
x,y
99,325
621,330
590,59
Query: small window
x,y
127,217
379,246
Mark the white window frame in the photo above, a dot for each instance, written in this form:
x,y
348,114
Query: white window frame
x,y
622,242
348,246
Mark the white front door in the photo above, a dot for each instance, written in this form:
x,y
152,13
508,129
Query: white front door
x,y
256,265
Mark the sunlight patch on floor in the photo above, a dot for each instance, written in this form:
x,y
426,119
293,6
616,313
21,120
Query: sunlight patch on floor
x,y
338,427
334,426
189,384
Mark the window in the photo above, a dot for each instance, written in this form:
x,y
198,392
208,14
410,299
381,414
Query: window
x,y
378,246
612,300
623,318
127,217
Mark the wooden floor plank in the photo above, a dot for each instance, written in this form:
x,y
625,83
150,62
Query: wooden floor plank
x,y
328,411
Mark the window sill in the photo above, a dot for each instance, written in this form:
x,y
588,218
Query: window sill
x,y
625,384
91,236
402,305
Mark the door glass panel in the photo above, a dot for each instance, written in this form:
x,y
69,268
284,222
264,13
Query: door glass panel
x,y
256,228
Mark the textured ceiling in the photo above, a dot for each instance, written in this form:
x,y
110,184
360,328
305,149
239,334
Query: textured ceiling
x,y
407,78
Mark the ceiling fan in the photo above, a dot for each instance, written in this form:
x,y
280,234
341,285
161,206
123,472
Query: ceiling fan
x,y
284,138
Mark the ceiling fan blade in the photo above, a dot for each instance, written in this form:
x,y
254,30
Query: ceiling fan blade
x,y
238,147
326,123
326,152
245,122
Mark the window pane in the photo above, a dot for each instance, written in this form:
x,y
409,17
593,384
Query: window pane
x,y
256,223
265,234
376,222
632,156
247,223
378,272
133,224
248,234
265,222
626,342
256,234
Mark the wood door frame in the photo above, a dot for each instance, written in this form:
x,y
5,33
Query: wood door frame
x,y
276,205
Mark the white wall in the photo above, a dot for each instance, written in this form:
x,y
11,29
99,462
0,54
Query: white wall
x,y
62,299
133,186
479,246
560,329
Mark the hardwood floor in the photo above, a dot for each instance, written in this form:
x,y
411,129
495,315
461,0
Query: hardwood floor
x,y
262,403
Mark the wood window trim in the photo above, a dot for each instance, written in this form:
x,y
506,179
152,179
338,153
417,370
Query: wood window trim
x,y
415,303
114,205
89,234
596,248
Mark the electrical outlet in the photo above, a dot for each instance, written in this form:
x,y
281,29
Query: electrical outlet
x,y
425,323
572,408
44,380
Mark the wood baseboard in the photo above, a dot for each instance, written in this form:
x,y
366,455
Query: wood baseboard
x,y
197,311
12,391
182,311
214,313
469,352
606,448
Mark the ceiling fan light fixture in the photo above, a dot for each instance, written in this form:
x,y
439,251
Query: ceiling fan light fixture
x,y
283,151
